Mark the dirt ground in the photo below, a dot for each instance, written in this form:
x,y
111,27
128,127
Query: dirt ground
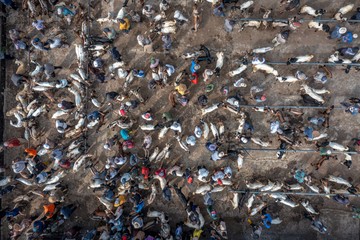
x,y
259,165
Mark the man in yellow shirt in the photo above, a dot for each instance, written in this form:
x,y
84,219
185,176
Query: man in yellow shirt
x,y
182,89
124,25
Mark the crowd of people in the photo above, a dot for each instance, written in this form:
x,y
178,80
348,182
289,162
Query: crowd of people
x,y
133,168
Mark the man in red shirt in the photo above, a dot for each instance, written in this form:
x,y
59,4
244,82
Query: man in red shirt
x,y
145,171
11,143
161,172
194,78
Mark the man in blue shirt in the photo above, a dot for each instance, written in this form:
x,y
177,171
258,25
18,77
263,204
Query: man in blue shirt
x,y
266,218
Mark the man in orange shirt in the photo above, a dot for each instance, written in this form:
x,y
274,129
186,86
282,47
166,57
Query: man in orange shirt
x,y
49,210
124,25
31,152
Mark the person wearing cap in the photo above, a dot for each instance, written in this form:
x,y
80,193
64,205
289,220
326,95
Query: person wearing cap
x,y
124,25
216,155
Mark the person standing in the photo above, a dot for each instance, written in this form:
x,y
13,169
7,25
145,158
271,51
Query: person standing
x,y
196,16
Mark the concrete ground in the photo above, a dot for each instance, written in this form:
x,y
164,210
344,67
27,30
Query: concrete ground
x,y
260,165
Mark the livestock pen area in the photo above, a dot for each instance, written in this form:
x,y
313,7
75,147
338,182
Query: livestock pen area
x,y
125,127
